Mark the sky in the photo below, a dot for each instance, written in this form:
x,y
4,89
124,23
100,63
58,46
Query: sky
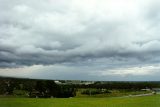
x,y
104,40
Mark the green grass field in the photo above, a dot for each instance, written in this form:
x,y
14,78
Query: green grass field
x,y
145,101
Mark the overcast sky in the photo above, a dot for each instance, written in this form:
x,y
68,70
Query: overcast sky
x,y
80,39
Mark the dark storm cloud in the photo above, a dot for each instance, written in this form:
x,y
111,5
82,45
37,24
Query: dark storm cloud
x,y
107,34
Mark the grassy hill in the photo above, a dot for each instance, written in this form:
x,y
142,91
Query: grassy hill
x,y
145,101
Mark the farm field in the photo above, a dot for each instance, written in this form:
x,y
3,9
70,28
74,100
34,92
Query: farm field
x,y
145,101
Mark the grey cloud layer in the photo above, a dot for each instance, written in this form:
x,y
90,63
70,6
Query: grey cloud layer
x,y
79,32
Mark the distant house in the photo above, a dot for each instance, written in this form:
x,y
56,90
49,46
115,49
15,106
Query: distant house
x,y
58,82
88,83
146,89
156,90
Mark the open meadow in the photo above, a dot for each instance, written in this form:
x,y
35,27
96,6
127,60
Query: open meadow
x,y
145,101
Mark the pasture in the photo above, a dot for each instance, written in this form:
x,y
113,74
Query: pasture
x,y
145,101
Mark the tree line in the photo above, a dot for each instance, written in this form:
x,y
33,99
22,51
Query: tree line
x,y
48,88
35,88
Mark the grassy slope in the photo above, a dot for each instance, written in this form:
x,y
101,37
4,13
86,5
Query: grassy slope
x,y
147,101
114,93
